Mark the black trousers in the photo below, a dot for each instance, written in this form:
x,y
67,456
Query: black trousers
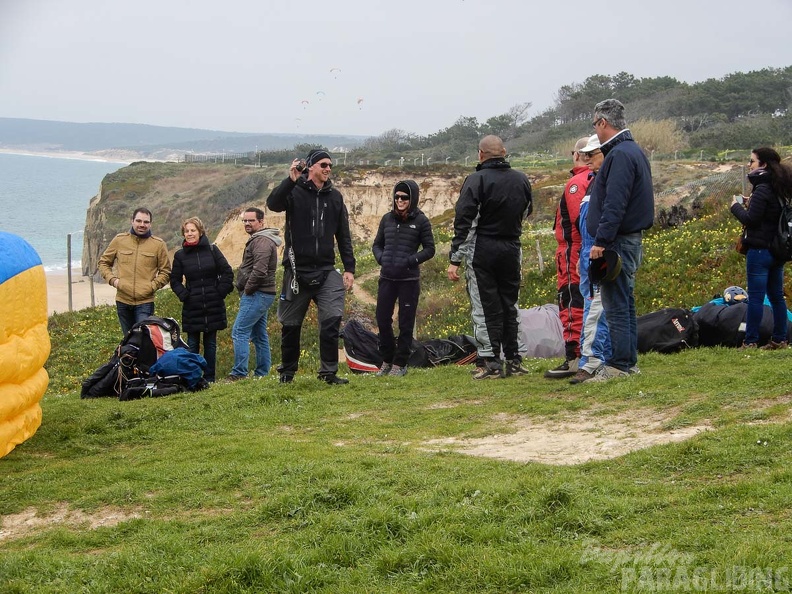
x,y
406,292
493,285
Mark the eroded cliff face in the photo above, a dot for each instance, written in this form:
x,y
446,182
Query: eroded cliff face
x,y
218,193
367,198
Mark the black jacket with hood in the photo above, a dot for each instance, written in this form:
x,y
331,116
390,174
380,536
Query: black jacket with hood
x,y
201,278
396,244
314,219
760,217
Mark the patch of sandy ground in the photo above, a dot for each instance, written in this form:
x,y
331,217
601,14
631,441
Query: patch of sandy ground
x,y
29,520
575,439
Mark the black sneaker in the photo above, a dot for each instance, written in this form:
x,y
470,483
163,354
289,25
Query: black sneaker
x,y
515,367
236,378
566,369
333,379
488,372
286,378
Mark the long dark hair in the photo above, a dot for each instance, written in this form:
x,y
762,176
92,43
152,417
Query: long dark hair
x,y
781,179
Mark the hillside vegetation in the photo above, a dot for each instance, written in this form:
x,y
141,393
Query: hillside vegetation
x,y
261,487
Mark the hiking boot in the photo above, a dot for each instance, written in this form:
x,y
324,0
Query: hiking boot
x,y
286,378
489,371
384,370
606,373
398,371
333,379
581,376
515,367
566,369
774,346
236,378
747,345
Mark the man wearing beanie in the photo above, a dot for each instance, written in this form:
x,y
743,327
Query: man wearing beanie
x,y
316,220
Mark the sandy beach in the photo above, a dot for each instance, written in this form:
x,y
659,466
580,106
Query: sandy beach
x,y
58,292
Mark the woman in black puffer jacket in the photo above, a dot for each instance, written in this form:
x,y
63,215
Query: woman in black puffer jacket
x,y
401,232
201,278
759,215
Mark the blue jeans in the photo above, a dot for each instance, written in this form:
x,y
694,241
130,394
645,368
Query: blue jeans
x,y
765,276
210,350
129,315
251,326
618,301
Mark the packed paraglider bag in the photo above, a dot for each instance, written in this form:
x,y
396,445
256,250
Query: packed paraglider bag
x,y
134,361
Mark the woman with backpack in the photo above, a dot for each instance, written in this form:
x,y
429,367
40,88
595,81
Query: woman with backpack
x,y
759,214
201,278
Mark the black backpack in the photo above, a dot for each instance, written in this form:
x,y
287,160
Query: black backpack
x,y
781,244
135,354
667,331
724,325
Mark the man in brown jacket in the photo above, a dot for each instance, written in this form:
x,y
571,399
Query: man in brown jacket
x,y
135,263
256,285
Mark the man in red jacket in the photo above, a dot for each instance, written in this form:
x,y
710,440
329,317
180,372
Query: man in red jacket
x,y
567,233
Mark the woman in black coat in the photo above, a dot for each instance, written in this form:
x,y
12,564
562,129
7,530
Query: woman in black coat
x,y
759,214
401,232
201,278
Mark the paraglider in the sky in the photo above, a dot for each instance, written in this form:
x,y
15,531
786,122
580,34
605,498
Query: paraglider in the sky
x,y
320,94
297,121
305,103
335,72
360,102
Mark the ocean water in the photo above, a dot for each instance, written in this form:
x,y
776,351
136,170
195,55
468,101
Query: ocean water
x,y
43,199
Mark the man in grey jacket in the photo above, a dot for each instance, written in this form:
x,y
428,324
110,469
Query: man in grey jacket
x,y
256,284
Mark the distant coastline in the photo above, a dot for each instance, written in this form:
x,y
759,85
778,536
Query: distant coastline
x,y
125,159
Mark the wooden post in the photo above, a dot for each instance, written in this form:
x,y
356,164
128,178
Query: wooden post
x,y
539,257
68,268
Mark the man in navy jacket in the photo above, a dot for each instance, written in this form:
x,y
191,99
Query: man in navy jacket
x,y
621,208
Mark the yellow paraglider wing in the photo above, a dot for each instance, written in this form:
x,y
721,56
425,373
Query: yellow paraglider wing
x,y
24,341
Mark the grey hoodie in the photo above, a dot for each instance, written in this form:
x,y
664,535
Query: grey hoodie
x,y
259,262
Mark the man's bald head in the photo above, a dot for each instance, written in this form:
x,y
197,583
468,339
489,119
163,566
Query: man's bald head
x,y
491,147
576,156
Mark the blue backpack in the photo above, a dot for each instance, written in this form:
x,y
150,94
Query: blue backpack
x,y
188,366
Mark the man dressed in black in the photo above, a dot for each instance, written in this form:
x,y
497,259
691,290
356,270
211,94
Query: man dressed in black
x,y
493,203
316,219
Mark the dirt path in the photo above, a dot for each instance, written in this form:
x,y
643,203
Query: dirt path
x,y
575,439
360,293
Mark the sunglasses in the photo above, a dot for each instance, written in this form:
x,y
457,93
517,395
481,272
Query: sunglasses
x,y
325,165
595,122
249,221
402,197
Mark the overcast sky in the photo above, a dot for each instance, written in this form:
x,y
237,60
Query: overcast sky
x,y
357,66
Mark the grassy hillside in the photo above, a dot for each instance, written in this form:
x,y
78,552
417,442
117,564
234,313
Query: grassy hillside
x,y
261,487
